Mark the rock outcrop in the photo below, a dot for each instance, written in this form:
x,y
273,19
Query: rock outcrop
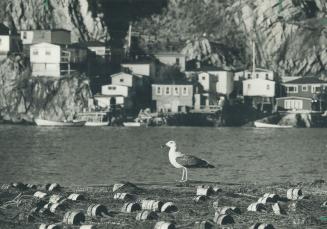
x,y
23,97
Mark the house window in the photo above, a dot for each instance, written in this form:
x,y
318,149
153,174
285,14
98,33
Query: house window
x,y
315,89
185,91
249,86
24,35
292,89
305,88
267,76
47,53
111,88
257,76
177,61
268,87
249,76
176,91
35,52
121,80
167,91
203,78
159,92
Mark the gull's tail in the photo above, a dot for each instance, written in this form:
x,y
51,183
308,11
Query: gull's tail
x,y
209,166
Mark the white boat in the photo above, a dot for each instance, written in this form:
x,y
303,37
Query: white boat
x,y
131,124
267,125
44,122
94,118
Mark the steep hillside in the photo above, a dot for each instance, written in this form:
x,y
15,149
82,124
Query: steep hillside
x,y
291,35
23,98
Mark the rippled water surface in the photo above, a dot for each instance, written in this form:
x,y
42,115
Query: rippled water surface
x,y
106,155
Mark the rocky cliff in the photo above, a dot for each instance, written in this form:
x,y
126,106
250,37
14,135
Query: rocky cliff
x,y
291,35
23,97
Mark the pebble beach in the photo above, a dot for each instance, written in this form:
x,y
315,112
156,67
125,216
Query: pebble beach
x,y
164,205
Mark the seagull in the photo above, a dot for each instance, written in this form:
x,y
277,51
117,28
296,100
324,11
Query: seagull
x,y
183,161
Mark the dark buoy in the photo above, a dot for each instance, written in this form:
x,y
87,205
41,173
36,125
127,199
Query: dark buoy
x,y
130,207
146,215
74,217
97,210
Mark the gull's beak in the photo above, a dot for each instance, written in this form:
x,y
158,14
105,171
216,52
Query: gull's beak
x,y
163,146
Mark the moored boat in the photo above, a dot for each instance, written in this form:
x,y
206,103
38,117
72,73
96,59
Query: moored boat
x,y
44,122
267,125
131,124
94,118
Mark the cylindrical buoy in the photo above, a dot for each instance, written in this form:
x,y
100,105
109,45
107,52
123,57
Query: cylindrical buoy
x,y
265,200
256,207
152,205
262,226
45,187
31,186
19,185
44,211
204,190
130,207
97,210
217,189
203,225
274,197
294,194
54,187
146,215
223,219
124,196
228,210
76,197
51,226
199,199
88,227
169,207
57,207
278,210
164,225
74,217
56,199
40,195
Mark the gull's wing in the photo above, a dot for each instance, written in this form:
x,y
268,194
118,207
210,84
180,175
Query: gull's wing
x,y
189,161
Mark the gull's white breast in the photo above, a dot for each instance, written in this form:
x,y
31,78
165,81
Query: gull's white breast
x,y
172,158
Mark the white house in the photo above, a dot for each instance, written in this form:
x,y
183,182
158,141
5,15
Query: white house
x,y
54,60
8,42
219,81
124,79
258,88
99,48
172,59
259,73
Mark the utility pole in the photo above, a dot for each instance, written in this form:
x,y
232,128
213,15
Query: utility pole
x,y
253,59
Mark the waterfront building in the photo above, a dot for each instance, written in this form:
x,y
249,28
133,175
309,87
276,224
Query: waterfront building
x,y
259,73
55,60
172,59
9,42
172,98
101,50
305,93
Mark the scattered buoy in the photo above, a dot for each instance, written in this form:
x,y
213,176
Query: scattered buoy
x,y
294,194
124,196
204,190
97,210
40,195
152,205
31,186
203,225
19,185
51,226
223,219
273,197
256,207
146,215
74,217
198,199
43,211
88,227
130,207
45,187
40,203
164,225
228,210
56,199
215,205
278,210
54,187
262,226
265,200
76,197
57,207
169,207
125,187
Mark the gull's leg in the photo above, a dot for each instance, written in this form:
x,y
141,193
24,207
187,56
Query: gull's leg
x,y
185,174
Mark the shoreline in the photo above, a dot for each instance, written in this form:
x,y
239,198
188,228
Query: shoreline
x,y
300,213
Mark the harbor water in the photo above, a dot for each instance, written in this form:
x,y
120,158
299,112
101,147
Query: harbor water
x,y
105,155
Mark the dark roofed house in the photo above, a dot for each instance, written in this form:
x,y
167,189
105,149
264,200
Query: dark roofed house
x,y
302,94
4,30
9,42
54,36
